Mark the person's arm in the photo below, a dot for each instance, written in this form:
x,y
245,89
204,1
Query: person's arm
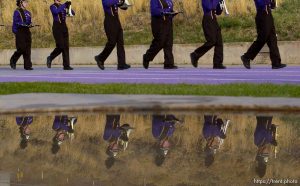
x,y
156,8
73,12
17,19
56,11
219,9
109,3
273,4
207,5
29,22
261,4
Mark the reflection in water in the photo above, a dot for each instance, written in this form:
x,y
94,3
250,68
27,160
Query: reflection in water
x,y
117,136
63,126
163,127
100,152
23,123
264,137
214,132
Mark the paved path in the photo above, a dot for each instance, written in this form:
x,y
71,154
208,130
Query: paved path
x,y
46,103
188,75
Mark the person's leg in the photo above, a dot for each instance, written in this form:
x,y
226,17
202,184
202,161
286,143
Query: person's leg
x,y
218,52
168,48
65,49
17,54
120,49
59,41
210,33
263,32
111,30
273,47
27,51
159,35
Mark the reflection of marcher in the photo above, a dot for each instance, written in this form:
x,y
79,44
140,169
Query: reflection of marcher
x,y
214,132
23,123
264,137
117,136
163,127
62,125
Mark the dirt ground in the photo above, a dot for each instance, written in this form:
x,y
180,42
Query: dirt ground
x,y
82,161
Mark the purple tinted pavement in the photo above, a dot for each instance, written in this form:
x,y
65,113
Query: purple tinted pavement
x,y
187,75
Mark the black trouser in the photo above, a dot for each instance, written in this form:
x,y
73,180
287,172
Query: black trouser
x,y
23,45
61,36
213,36
265,34
114,34
162,31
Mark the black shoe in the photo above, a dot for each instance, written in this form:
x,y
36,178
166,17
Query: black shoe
x,y
194,61
48,62
124,67
145,62
219,66
170,67
12,64
68,68
246,62
29,68
279,66
99,63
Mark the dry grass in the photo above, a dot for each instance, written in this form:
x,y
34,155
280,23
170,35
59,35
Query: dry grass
x,y
83,160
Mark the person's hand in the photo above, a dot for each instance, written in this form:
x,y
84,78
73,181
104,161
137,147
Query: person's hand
x,y
121,3
68,3
273,4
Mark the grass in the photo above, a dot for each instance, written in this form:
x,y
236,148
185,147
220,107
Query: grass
x,y
255,90
86,28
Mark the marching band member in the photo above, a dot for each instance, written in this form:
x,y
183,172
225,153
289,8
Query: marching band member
x,y
21,25
114,33
212,33
60,33
265,34
162,14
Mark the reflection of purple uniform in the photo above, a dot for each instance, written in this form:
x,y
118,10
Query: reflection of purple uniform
x,y
21,121
210,128
112,127
61,122
163,126
263,134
